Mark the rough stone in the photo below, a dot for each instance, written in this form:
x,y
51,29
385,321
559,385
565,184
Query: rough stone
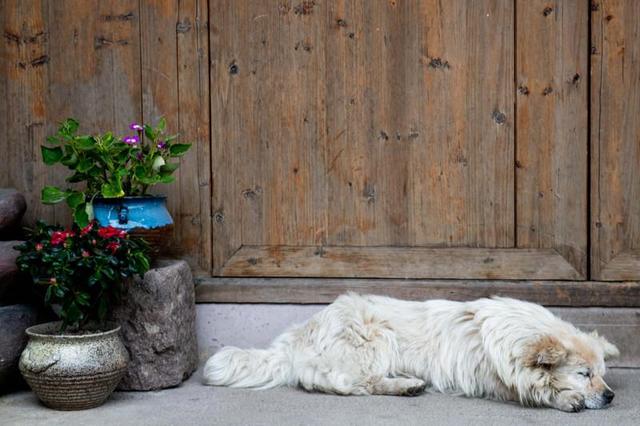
x,y
158,327
14,319
12,207
8,270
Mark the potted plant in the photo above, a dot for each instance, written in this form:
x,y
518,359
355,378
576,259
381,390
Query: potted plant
x,y
117,173
77,362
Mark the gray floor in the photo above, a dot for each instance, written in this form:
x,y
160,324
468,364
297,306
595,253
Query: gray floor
x,y
193,404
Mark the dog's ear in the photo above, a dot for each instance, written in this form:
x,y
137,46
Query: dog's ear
x,y
609,349
545,351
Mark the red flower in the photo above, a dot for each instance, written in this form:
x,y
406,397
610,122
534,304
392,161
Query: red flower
x,y
113,246
59,237
109,232
86,229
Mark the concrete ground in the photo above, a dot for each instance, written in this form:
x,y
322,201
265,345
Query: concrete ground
x,y
195,404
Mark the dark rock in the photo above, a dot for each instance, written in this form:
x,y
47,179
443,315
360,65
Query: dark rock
x,y
14,319
158,327
12,207
9,273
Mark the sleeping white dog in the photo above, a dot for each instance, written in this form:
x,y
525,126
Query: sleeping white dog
x,y
494,348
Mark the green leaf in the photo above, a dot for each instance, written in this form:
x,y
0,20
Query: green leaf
x,y
85,143
75,198
170,138
80,215
47,295
53,195
168,168
167,179
51,156
162,124
149,180
70,160
53,140
84,165
113,188
179,149
69,127
140,172
148,132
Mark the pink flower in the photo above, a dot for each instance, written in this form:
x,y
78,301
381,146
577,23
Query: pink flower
x,y
113,246
108,232
86,229
59,237
131,140
136,126
161,145
39,247
53,281
85,253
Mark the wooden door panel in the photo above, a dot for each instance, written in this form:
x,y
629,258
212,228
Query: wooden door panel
x,y
378,139
615,139
420,123
551,128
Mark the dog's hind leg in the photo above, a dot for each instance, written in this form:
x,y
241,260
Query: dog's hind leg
x,y
400,386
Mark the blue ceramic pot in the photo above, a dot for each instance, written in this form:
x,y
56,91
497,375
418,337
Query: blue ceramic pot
x,y
145,217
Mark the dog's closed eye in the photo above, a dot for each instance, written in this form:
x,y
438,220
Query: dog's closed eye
x,y
585,373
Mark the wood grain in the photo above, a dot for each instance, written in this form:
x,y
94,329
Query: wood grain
x,y
552,127
64,59
325,290
399,262
175,83
361,124
615,140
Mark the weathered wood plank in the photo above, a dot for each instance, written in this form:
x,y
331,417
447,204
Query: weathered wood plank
x,y
194,179
399,262
226,133
64,59
615,140
414,153
25,59
175,86
325,290
552,126
267,104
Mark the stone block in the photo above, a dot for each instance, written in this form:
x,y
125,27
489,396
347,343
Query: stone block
x,y
157,317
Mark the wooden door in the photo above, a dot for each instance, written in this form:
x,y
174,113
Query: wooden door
x,y
615,141
411,139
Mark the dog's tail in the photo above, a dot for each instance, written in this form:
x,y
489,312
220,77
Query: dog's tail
x,y
249,368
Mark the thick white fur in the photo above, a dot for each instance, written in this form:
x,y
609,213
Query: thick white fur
x,y
363,345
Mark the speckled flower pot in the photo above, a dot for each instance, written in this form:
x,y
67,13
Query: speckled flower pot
x,y
73,371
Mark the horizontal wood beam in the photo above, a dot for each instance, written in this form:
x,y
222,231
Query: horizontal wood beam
x,y
318,290
400,262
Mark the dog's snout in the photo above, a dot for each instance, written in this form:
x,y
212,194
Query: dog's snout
x,y
608,396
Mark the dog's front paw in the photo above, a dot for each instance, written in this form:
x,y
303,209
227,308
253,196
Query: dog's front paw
x,y
570,401
415,390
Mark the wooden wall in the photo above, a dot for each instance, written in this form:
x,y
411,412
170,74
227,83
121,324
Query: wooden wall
x,y
107,63
494,123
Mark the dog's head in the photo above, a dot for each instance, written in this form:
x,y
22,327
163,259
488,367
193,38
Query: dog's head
x,y
574,362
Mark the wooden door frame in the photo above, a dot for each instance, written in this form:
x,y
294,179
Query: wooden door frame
x,y
412,262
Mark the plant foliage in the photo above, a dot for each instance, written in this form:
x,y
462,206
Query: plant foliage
x,y
82,269
110,167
